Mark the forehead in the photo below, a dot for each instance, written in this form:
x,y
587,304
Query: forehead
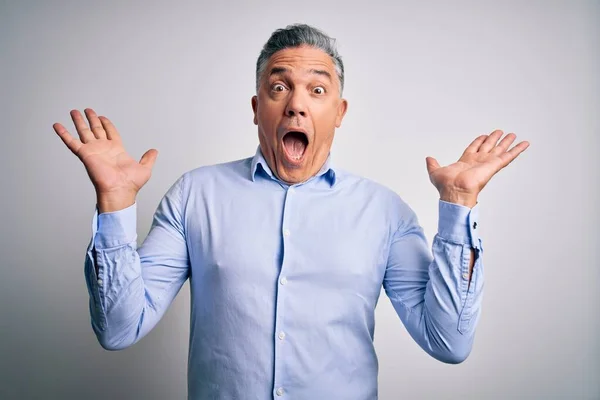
x,y
301,59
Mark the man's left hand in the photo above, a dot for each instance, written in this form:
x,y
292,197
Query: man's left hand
x,y
462,181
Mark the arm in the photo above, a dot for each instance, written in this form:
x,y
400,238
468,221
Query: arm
x,y
130,289
436,298
439,299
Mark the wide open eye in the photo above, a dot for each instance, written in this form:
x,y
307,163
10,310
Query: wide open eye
x,y
278,87
319,90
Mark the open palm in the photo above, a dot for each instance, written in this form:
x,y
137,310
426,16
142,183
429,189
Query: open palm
x,y
481,160
100,149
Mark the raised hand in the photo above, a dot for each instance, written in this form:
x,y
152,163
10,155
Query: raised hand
x,y
462,181
116,176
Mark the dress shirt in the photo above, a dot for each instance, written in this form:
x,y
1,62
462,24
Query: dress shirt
x,y
284,279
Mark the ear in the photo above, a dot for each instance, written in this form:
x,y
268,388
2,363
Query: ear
x,y
255,108
341,111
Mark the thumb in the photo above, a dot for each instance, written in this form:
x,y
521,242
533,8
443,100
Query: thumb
x,y
432,164
149,158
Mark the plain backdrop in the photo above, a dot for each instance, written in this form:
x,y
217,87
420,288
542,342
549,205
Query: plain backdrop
x,y
422,79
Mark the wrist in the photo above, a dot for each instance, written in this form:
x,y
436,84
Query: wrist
x,y
114,201
461,198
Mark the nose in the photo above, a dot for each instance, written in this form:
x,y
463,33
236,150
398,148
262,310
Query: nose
x,y
296,106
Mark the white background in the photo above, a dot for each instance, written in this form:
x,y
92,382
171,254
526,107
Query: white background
x,y
421,79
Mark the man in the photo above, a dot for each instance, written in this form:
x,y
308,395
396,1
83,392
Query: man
x,y
285,252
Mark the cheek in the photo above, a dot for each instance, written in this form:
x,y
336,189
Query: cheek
x,y
267,120
325,119
267,111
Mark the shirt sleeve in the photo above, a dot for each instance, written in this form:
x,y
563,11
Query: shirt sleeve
x,y
433,296
134,287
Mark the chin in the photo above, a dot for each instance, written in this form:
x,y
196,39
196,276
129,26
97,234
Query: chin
x,y
292,174
292,177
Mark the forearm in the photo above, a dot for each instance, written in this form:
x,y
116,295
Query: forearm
x,y
467,200
453,295
114,279
131,288
452,303
438,298
443,318
105,204
116,292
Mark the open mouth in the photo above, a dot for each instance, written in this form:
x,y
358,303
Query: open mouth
x,y
294,145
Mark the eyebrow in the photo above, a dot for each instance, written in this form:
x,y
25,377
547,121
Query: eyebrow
x,y
283,70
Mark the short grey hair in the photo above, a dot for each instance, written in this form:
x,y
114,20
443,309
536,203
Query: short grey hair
x,y
297,35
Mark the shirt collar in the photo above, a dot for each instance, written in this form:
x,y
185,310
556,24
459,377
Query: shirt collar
x,y
327,170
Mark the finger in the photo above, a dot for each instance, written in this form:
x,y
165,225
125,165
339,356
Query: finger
x,y
72,143
510,155
474,146
149,158
109,128
432,164
85,134
504,144
95,124
491,141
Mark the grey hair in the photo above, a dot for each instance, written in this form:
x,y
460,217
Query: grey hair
x,y
297,35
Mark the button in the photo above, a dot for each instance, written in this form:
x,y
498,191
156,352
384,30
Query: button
x,y
286,232
283,280
281,335
475,225
100,282
291,190
465,275
279,392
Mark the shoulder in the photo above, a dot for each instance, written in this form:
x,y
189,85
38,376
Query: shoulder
x,y
376,194
216,174
370,187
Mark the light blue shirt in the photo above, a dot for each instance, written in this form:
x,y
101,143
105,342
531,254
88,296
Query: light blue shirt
x,y
284,279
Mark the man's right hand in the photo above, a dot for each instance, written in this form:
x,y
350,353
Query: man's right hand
x,y
116,176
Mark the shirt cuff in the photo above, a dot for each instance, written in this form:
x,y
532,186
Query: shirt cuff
x,y
459,224
115,228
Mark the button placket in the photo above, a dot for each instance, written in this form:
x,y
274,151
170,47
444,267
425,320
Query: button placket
x,y
279,379
473,221
464,266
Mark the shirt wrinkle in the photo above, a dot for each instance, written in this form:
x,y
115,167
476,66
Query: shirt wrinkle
x,y
284,283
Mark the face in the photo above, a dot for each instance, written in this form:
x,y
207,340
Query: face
x,y
297,109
